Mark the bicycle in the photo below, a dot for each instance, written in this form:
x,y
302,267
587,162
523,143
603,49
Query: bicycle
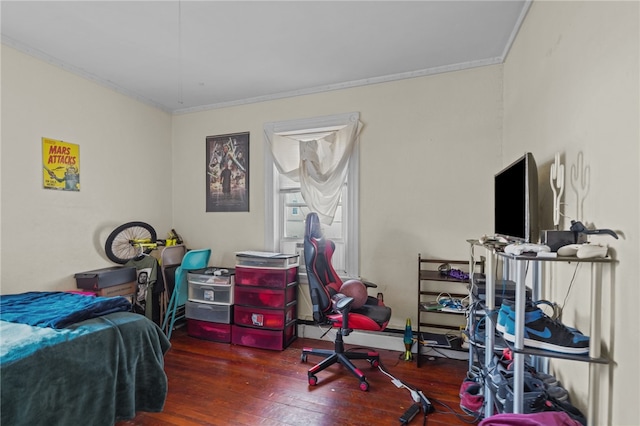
x,y
133,239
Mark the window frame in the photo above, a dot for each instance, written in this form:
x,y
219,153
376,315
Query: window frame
x,y
274,199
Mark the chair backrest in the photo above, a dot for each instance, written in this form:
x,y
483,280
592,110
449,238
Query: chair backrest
x,y
169,258
196,259
193,259
324,282
172,255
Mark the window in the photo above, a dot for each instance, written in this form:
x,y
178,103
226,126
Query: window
x,y
295,211
286,208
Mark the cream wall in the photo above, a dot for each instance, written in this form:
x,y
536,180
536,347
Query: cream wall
x,y
125,172
429,149
571,85
429,146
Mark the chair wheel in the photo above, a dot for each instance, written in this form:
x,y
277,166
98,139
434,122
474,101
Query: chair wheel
x,y
303,358
364,386
313,380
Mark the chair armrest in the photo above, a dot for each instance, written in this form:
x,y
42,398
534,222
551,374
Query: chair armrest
x,y
369,284
342,303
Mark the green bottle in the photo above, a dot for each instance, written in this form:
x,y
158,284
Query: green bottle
x,y
408,340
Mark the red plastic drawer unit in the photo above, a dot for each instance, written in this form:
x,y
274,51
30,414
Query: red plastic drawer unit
x,y
274,278
274,319
209,312
209,330
265,339
262,297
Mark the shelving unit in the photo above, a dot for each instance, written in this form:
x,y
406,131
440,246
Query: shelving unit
x,y
515,267
478,340
431,284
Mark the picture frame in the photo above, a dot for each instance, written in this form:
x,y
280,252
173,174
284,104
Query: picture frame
x,y
227,173
60,165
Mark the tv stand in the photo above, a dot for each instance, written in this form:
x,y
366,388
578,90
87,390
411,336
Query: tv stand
x,y
515,266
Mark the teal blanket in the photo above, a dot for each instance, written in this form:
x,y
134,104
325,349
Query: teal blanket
x,y
57,309
95,372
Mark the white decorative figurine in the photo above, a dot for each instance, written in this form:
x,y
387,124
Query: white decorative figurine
x,y
557,186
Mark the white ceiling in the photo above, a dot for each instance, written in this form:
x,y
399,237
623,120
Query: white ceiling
x,y
194,55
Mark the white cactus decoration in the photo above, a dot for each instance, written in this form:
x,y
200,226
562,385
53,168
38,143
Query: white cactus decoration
x,y
580,184
557,186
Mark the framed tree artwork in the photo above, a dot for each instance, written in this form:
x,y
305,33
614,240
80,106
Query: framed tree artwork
x,y
227,173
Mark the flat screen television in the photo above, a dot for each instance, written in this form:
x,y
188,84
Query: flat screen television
x,y
516,201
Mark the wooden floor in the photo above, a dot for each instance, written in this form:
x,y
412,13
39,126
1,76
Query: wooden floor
x,y
222,384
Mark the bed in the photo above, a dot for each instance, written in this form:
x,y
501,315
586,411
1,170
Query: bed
x,y
69,359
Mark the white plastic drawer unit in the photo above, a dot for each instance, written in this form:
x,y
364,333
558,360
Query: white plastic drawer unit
x,y
218,276
221,294
266,260
209,312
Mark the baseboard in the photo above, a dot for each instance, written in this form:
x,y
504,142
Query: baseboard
x,y
379,340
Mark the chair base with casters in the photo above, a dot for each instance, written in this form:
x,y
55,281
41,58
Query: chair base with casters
x,y
366,315
339,356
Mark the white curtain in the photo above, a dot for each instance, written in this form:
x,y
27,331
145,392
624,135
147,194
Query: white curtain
x,y
319,162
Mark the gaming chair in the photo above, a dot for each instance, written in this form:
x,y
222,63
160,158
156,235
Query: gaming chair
x,y
335,308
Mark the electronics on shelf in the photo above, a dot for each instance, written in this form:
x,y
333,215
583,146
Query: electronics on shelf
x,y
493,239
518,249
516,200
584,251
569,250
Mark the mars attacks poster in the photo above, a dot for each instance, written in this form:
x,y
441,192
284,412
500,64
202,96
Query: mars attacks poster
x,y
60,165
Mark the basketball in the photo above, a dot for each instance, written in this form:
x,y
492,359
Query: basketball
x,y
357,290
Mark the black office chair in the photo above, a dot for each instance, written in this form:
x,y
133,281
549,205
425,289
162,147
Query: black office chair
x,y
344,305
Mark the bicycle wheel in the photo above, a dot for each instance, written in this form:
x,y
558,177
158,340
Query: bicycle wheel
x,y
120,247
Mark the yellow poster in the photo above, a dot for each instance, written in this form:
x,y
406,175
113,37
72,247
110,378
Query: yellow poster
x,y
61,165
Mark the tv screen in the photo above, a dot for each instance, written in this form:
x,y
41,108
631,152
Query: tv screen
x,y
516,200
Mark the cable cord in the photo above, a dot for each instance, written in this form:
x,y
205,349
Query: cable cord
x,y
447,301
442,355
414,390
575,271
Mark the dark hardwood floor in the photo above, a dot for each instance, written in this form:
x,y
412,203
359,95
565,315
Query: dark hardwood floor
x,y
221,384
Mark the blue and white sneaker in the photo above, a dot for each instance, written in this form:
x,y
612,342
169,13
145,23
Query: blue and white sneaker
x,y
506,311
542,332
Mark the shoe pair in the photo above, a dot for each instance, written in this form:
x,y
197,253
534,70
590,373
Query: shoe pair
x,y
471,397
507,312
479,335
536,400
532,389
500,372
540,331
533,382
